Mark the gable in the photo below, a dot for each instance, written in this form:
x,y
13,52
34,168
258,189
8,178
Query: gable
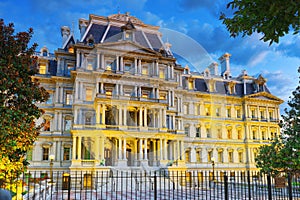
x,y
264,96
128,46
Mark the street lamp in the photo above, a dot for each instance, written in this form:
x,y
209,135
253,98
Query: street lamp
x,y
212,182
51,157
213,166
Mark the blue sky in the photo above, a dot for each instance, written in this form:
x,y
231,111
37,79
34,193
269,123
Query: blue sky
x,y
197,20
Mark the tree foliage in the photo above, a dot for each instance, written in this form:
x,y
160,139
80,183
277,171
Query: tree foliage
x,y
272,18
284,153
18,95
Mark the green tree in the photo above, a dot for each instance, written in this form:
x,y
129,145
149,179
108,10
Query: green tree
x,y
284,153
18,95
272,18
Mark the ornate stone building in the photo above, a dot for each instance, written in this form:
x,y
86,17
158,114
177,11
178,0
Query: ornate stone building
x,y
118,99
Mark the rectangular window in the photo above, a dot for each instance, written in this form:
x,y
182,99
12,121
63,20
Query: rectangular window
x,y
186,130
191,85
217,112
240,157
68,124
185,109
228,112
239,134
145,70
89,65
66,153
88,120
127,67
238,113
262,114
43,69
88,94
198,156
230,156
45,153
229,134
253,113
207,111
69,99
208,133
209,156
50,99
219,132
198,132
254,135
220,156
161,73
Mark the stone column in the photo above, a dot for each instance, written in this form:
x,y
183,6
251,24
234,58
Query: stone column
x,y
165,150
98,61
140,150
125,116
120,115
121,64
145,149
161,149
182,150
141,117
124,149
103,114
79,148
102,62
74,148
145,117
98,114
120,149
117,64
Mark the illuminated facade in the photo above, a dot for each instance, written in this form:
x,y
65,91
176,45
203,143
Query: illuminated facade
x,y
118,99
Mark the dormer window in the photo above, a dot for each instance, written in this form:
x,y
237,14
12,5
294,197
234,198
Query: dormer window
x,y
90,40
128,30
45,53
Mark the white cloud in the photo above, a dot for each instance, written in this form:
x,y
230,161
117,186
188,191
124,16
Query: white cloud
x,y
258,58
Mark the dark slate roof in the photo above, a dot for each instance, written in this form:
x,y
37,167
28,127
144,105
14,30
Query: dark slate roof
x,y
200,85
52,67
239,89
97,31
221,87
70,42
114,34
139,38
249,88
154,41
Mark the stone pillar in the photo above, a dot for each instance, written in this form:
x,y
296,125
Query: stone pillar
x,y
145,149
135,66
145,117
103,114
154,151
120,115
121,64
120,149
98,114
141,117
165,150
98,61
102,66
74,148
140,150
182,150
79,148
117,64
139,66
124,149
125,116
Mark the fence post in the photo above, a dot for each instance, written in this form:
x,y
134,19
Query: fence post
x,y
249,184
269,186
226,186
290,187
69,187
155,186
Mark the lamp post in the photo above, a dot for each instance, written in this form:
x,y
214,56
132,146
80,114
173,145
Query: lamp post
x,y
213,167
212,182
51,157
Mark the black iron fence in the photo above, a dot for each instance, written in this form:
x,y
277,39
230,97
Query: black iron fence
x,y
162,184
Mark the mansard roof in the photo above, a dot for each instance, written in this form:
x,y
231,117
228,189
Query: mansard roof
x,y
111,29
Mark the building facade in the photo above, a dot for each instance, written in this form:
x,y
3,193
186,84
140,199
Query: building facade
x,y
119,99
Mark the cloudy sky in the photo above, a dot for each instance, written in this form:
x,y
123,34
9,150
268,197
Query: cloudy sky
x,y
196,22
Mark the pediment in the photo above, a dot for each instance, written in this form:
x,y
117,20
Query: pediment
x,y
128,46
264,96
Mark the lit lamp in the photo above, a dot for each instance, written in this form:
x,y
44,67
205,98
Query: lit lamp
x,y
51,157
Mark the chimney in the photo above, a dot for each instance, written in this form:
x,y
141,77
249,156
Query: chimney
x,y
225,66
65,33
213,68
82,27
